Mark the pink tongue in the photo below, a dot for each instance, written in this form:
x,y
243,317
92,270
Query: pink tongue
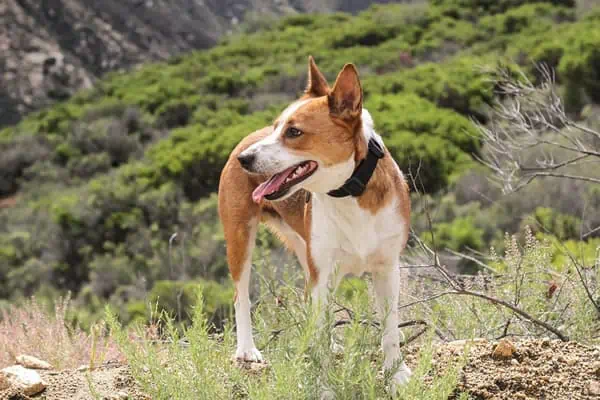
x,y
271,186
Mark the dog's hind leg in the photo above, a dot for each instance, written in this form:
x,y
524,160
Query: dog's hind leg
x,y
240,244
386,283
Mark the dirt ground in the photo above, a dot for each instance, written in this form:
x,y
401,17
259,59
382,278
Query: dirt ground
x,y
531,369
109,382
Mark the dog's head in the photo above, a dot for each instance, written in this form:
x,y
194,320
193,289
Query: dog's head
x,y
315,141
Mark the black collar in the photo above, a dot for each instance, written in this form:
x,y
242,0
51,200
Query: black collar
x,y
357,183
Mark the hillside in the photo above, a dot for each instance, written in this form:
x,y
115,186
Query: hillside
x,y
95,188
52,48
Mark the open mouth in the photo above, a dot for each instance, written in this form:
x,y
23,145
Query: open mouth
x,y
279,184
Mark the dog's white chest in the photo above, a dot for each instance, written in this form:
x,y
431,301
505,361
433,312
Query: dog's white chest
x,y
357,239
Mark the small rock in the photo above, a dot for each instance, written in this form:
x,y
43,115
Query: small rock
x,y
571,361
120,395
594,388
32,362
4,383
596,368
504,350
514,361
27,380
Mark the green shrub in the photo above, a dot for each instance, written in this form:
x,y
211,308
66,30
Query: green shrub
x,y
471,9
17,156
572,49
408,112
581,63
460,234
195,156
179,299
459,84
528,17
366,33
549,221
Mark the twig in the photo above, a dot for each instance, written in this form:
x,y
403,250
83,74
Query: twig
x,y
413,337
476,261
516,310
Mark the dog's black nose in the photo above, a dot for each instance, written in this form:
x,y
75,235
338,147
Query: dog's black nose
x,y
246,161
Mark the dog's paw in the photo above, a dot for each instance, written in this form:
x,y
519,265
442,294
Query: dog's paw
x,y
337,348
251,355
327,394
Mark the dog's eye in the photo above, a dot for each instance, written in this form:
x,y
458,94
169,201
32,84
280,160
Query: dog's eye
x,y
292,132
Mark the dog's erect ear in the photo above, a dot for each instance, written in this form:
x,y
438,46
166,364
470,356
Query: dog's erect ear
x,y
345,99
317,84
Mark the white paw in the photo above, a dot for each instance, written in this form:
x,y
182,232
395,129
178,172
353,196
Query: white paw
x,y
401,377
327,394
337,348
251,355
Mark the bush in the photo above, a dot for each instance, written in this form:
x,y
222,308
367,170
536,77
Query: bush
x,y
549,221
408,112
179,300
17,156
461,234
195,156
433,162
537,16
572,49
459,85
581,63
471,9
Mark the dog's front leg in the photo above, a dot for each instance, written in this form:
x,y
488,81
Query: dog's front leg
x,y
246,350
240,244
386,283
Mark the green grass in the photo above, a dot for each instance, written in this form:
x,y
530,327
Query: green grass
x,y
300,363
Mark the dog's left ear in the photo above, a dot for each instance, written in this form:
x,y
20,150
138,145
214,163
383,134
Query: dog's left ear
x,y
317,84
345,99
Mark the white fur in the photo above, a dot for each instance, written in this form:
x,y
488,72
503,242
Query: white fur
x,y
358,241
246,350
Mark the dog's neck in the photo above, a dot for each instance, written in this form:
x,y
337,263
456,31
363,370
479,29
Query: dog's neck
x,y
338,174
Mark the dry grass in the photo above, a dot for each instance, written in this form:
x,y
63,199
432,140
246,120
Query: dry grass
x,y
30,329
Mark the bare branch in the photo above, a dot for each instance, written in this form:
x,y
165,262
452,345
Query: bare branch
x,y
473,259
532,119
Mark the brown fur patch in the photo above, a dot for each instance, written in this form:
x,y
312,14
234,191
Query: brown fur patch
x,y
322,137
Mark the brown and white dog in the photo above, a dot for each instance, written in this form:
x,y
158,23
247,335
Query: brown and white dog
x,y
284,175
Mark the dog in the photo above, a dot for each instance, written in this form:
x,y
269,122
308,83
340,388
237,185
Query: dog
x,y
321,178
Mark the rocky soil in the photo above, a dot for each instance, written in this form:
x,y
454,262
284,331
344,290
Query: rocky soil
x,y
526,369
52,48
